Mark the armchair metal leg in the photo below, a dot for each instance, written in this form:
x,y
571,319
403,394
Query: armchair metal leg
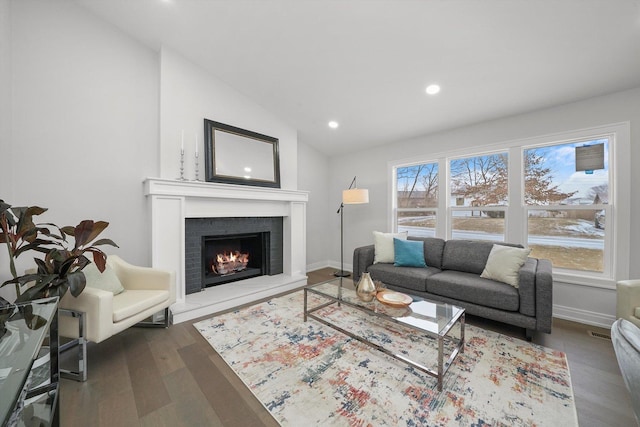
x,y
80,343
164,323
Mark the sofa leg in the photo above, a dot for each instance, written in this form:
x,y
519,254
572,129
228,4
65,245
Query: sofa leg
x,y
80,343
528,334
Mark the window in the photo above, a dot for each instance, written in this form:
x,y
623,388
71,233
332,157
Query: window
x,y
479,182
566,196
567,203
417,199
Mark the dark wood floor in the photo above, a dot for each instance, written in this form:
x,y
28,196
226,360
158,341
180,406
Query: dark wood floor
x,y
172,377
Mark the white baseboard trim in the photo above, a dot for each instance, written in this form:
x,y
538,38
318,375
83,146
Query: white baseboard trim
x,y
317,265
329,264
583,316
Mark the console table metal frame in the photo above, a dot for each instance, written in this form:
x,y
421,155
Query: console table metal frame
x,y
443,366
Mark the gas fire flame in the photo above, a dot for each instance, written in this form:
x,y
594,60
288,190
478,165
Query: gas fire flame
x,y
229,263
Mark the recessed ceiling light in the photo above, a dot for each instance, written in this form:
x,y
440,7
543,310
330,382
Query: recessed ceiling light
x,y
333,124
433,89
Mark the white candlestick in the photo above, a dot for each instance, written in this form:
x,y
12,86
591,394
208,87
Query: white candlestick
x,y
196,145
182,143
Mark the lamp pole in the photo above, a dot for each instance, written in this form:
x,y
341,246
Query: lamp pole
x,y
352,195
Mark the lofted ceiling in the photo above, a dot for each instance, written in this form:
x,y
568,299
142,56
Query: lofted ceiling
x,y
366,63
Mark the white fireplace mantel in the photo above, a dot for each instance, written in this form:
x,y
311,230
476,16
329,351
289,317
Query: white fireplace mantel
x,y
171,201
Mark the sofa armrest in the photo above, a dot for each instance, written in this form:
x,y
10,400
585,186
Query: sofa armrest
x,y
527,287
362,258
544,295
98,308
627,298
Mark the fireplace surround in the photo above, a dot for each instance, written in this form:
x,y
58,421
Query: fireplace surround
x,y
172,202
263,235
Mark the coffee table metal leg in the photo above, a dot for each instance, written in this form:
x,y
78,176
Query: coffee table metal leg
x,y
305,305
462,333
440,352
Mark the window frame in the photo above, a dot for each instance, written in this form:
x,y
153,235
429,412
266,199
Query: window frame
x,y
497,208
618,210
608,249
394,195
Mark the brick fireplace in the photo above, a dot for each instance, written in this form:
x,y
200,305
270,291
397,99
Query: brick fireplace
x,y
257,238
179,207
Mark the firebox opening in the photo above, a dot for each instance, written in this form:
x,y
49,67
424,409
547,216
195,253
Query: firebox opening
x,y
229,258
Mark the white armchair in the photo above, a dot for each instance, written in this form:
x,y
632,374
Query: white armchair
x,y
628,301
97,314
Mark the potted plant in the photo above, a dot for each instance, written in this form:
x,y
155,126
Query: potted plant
x,y
61,268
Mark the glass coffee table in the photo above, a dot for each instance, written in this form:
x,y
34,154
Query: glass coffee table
x,y
430,318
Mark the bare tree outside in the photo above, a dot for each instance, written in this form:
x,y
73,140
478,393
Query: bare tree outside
x,y
482,179
418,186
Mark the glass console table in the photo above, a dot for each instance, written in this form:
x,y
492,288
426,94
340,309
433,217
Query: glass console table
x,y
29,372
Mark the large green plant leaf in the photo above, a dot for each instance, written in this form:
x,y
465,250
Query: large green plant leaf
x,y
87,231
77,282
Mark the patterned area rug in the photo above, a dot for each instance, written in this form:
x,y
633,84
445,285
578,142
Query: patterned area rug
x,y
310,374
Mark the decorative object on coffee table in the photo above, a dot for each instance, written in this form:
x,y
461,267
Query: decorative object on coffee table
x,y
366,289
394,299
351,196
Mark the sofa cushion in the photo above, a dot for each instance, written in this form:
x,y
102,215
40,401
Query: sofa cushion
x,y
410,278
474,289
504,263
383,243
408,253
131,302
469,256
433,248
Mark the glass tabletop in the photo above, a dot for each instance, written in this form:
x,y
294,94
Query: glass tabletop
x,y
430,316
23,327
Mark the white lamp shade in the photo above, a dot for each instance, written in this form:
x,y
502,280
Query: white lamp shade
x,y
355,196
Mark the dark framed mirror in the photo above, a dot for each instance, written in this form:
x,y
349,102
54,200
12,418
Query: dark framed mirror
x,y
239,156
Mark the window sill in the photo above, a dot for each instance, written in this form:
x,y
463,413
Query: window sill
x,y
584,280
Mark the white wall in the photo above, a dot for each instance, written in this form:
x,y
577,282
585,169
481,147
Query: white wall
x,y
93,112
587,304
5,99
84,120
188,95
5,126
313,176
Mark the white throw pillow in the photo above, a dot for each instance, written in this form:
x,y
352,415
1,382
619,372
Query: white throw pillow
x,y
383,243
107,280
504,264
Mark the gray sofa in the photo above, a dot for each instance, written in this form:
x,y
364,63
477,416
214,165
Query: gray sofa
x,y
452,276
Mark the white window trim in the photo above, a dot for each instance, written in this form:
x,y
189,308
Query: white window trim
x,y
618,238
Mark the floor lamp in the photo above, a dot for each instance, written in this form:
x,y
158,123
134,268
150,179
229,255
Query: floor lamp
x,y
352,196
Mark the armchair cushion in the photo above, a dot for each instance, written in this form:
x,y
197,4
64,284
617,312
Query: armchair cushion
x,y
129,303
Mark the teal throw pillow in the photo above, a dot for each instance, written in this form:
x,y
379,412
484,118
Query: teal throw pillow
x,y
408,253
